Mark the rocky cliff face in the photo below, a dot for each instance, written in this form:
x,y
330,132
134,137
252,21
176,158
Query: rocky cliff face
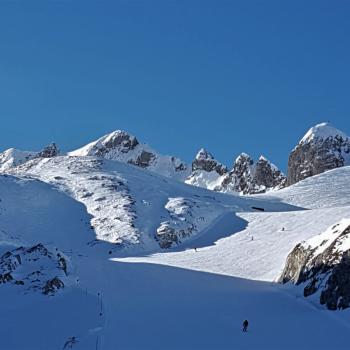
x,y
124,147
267,175
248,177
321,266
207,172
49,151
322,148
205,161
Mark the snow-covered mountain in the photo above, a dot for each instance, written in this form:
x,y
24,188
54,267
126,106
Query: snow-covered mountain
x,y
246,177
13,157
120,145
96,250
119,196
322,148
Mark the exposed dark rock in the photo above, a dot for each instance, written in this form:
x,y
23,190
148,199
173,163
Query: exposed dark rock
x,y
205,161
62,263
144,160
120,140
243,173
52,286
324,269
323,148
166,236
268,176
49,151
35,267
6,277
248,177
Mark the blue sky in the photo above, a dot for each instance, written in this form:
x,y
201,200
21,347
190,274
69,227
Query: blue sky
x,y
232,76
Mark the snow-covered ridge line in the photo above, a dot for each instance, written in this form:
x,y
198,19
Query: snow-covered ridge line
x,y
322,148
246,176
122,146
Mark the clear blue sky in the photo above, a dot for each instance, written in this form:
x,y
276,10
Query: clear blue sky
x,y
232,76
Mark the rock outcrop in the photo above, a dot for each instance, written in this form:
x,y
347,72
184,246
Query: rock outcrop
x,y
268,176
186,217
49,151
322,148
248,177
205,161
207,172
35,268
322,264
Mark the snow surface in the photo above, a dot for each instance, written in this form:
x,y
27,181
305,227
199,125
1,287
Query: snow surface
x,y
135,295
205,179
322,131
14,157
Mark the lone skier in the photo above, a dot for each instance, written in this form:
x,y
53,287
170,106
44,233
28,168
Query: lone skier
x,y
245,325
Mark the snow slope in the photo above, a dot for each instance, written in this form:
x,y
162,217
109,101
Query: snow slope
x,y
135,295
129,204
32,212
259,249
14,157
327,190
322,131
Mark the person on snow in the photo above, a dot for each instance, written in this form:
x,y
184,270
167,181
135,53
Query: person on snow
x,y
245,325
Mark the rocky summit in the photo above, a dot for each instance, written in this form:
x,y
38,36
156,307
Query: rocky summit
x,y
322,148
124,147
248,177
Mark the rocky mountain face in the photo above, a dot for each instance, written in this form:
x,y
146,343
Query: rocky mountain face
x,y
49,151
205,161
322,148
207,172
248,177
321,266
122,146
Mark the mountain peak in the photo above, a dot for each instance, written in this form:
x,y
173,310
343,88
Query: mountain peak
x,y
322,148
122,146
322,131
204,154
244,157
205,161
